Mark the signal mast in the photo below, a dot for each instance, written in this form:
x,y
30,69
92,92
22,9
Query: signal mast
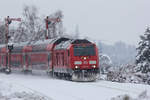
x,y
9,47
50,21
8,21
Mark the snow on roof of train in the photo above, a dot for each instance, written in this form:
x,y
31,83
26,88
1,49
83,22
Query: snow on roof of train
x,y
79,41
2,45
40,42
63,45
20,44
50,41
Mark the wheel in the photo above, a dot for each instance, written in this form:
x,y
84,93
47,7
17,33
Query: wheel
x,y
7,70
68,77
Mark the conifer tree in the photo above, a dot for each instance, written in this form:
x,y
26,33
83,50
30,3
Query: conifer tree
x,y
143,56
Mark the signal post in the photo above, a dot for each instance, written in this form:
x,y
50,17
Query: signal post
x,y
49,21
9,47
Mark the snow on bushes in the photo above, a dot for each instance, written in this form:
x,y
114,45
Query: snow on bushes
x,y
128,74
125,73
142,96
13,92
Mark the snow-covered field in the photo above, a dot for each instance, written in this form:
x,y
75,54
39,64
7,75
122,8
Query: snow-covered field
x,y
35,87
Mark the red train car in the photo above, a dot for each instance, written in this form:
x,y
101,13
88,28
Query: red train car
x,y
74,59
3,57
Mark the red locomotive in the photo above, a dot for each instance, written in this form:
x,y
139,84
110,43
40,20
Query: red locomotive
x,y
74,59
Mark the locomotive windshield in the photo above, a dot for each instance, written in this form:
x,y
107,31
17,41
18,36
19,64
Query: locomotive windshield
x,y
84,50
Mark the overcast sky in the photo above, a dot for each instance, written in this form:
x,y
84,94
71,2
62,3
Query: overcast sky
x,y
106,20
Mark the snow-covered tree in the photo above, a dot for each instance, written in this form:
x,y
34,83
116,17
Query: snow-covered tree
x,y
125,73
143,56
105,63
120,52
2,33
31,24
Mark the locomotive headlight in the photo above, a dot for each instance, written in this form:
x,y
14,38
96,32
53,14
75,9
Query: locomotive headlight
x,y
78,62
92,62
76,67
94,66
84,58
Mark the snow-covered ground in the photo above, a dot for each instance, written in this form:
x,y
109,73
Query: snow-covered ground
x,y
55,89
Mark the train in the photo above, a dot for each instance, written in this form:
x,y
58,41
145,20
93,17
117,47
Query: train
x,y
73,59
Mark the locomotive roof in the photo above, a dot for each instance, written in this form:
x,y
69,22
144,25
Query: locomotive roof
x,y
80,41
66,44
63,45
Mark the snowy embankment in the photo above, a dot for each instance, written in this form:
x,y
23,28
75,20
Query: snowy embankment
x,y
39,86
142,96
9,91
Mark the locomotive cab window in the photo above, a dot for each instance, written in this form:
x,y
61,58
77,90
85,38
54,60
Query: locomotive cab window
x,y
88,50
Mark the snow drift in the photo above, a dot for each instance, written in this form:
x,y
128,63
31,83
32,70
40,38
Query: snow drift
x,y
13,92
